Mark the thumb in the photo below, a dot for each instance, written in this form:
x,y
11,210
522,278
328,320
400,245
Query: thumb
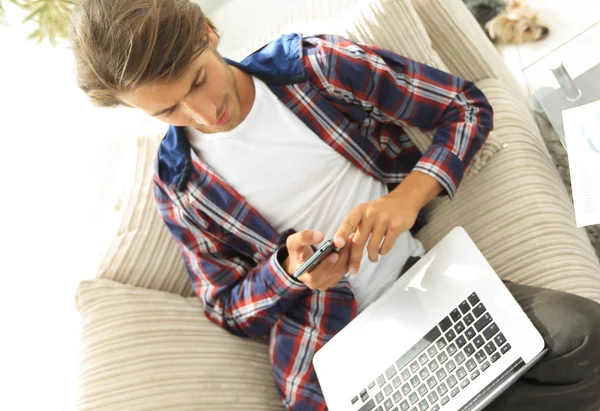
x,y
297,241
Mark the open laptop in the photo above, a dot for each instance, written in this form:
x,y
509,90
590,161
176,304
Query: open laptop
x,y
448,335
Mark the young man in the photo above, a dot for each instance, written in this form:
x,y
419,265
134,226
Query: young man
x,y
301,142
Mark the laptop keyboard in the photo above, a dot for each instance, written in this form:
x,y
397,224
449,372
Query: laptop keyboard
x,y
465,344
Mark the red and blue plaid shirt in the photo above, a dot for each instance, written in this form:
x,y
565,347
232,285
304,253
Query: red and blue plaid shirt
x,y
357,98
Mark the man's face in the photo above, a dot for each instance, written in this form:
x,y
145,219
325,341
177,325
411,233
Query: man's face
x,y
204,97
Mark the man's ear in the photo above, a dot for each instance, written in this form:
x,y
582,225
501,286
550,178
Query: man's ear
x,y
213,39
492,26
515,4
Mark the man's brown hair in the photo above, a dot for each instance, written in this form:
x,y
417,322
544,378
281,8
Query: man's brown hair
x,y
122,44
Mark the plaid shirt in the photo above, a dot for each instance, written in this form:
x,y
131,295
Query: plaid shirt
x,y
357,98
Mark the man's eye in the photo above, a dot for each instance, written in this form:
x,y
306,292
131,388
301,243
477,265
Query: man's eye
x,y
199,84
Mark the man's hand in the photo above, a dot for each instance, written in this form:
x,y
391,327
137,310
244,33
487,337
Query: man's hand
x,y
328,273
383,220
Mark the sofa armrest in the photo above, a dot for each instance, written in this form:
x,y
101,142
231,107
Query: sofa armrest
x,y
461,43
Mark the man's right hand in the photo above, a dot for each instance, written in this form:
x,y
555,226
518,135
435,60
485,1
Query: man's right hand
x,y
327,274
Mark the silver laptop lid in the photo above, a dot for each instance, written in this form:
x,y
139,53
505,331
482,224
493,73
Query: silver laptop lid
x,y
436,286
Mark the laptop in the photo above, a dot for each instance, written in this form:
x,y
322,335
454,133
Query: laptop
x,y
448,335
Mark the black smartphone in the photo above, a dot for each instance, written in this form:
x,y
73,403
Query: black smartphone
x,y
317,258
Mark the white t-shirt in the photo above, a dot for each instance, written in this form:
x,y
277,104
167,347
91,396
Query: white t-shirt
x,y
296,180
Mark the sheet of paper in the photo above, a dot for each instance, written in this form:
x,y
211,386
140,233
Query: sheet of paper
x,y
582,138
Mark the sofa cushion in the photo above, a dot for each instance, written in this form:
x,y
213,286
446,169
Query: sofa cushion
x,y
152,350
517,209
391,24
144,253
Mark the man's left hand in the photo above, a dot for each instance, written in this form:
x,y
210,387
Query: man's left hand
x,y
383,220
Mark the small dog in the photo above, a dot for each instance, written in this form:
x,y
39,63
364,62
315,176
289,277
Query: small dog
x,y
508,21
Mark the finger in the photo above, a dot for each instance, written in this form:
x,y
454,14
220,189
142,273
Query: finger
x,y
296,242
325,266
358,244
379,230
348,226
390,238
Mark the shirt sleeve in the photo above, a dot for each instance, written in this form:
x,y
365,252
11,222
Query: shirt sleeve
x,y
239,295
398,90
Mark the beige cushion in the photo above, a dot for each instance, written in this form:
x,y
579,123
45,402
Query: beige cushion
x,y
517,209
151,350
144,253
462,44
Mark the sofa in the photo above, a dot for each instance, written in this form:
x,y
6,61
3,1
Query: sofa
x,y
146,342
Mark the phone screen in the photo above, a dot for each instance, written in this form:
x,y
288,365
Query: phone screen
x,y
321,254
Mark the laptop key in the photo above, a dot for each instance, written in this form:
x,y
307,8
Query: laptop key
x,y
459,327
468,319
372,385
444,400
396,381
390,372
455,315
495,357
387,390
464,383
464,307
422,390
413,398
381,380
474,374
424,373
423,405
414,367
423,358
368,406
461,373
436,407
450,335
478,341
432,351
485,366
397,397
490,331
442,358
451,381
451,350
433,365
473,299
471,365
450,366
414,381
480,356
478,310
364,395
490,348
379,397
445,324
454,392
441,374
470,333
459,358
431,382
354,399
499,339
380,408
460,341
388,404
442,389
483,322
405,374
432,397
405,389
404,405
469,349
441,343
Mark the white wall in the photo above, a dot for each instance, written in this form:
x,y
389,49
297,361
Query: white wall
x,y
63,165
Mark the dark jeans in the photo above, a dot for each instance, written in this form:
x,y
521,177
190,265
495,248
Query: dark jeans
x,y
567,378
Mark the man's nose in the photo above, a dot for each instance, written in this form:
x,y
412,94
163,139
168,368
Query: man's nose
x,y
201,113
